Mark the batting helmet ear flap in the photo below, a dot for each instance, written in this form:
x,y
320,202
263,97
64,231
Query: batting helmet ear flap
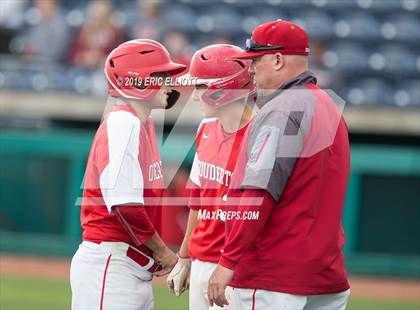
x,y
172,98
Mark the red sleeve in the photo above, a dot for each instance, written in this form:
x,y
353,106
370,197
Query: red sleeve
x,y
242,233
135,221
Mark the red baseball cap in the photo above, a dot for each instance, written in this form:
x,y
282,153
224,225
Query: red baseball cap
x,y
279,36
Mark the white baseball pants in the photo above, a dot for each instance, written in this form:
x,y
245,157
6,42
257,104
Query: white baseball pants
x,y
199,278
247,299
102,277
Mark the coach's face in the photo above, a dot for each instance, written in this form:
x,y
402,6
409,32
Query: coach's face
x,y
265,70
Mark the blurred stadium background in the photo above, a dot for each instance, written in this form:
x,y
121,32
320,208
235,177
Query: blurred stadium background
x,y
53,94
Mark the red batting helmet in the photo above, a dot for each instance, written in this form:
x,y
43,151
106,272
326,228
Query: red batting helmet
x,y
130,63
227,79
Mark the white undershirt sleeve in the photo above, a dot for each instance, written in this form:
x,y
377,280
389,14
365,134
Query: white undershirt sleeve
x,y
121,181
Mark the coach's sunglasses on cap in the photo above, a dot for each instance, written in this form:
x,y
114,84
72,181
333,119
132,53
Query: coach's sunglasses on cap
x,y
251,45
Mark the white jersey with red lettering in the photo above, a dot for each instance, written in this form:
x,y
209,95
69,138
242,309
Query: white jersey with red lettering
x,y
211,173
108,271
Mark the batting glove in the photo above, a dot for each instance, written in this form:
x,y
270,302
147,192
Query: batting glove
x,y
178,279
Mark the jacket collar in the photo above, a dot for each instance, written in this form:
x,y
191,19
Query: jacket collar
x,y
302,79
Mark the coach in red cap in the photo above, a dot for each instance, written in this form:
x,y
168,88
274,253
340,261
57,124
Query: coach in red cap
x,y
283,249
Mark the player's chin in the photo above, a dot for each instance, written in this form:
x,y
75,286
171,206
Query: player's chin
x,y
207,114
210,112
160,103
205,111
164,104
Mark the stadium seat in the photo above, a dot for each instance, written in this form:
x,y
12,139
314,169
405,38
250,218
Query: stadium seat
x,y
398,59
79,80
290,4
317,23
411,5
359,25
130,13
253,17
402,27
201,40
347,56
369,91
180,18
12,79
75,17
408,94
338,5
379,5
58,80
220,20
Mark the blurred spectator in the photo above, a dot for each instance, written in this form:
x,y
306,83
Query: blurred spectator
x,y
150,25
222,39
11,19
96,38
47,39
325,77
177,44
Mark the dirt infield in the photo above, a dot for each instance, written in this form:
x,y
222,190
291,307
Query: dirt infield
x,y
53,268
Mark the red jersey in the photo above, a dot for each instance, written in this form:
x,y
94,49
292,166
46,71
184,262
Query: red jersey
x,y
123,167
211,173
298,152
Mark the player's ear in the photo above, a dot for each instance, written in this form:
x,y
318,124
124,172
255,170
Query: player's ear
x,y
279,61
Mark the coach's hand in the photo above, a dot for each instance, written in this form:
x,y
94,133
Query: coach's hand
x,y
167,259
178,278
218,281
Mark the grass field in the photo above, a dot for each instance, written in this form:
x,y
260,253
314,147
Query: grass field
x,y
40,294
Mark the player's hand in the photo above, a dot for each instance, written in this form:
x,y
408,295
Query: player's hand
x,y
167,259
218,281
178,278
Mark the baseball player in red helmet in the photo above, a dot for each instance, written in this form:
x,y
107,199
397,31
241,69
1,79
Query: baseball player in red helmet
x,y
120,213
294,170
223,88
